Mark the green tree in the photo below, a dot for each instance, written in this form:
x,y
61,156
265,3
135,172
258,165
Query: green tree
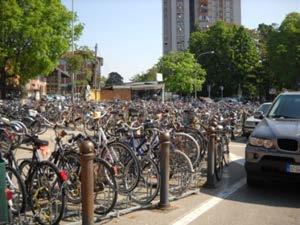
x,y
34,35
235,57
80,63
284,51
245,61
265,76
101,80
182,74
114,78
150,75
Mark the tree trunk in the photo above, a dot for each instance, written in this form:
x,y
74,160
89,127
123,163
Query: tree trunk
x,y
3,78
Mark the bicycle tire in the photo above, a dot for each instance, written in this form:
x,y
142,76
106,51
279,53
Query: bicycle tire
x,y
71,164
120,157
104,184
21,204
147,181
24,173
187,144
40,168
181,168
198,136
226,154
219,161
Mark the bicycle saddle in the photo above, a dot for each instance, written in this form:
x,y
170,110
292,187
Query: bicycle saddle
x,y
35,140
40,142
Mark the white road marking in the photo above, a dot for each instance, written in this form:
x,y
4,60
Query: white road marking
x,y
237,159
237,144
212,202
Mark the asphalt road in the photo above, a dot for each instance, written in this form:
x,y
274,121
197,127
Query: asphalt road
x,y
231,203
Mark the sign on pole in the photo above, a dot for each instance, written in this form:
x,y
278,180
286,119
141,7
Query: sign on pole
x,y
159,77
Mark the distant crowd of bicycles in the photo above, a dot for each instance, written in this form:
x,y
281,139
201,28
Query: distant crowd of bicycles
x,y
125,136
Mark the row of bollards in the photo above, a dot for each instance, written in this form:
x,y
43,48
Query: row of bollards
x,y
87,176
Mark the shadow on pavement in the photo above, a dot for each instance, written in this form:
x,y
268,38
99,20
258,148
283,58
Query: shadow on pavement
x,y
242,140
270,193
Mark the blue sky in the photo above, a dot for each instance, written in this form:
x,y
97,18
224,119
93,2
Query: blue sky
x,y
129,32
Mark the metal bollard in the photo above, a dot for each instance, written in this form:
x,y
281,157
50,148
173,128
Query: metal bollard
x,y
164,140
87,182
211,159
3,201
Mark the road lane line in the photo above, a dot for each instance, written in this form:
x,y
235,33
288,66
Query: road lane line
x,y
212,202
237,145
237,159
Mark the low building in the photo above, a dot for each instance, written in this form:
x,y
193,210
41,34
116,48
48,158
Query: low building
x,y
36,87
59,82
133,91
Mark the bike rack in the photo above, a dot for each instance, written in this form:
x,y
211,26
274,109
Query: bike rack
x,y
202,173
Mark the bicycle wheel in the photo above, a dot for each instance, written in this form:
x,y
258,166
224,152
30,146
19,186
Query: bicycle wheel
x,y
198,136
149,183
187,144
71,164
47,193
15,184
181,172
125,165
24,168
105,187
219,161
226,153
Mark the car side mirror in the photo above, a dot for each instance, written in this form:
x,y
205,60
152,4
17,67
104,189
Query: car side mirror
x,y
259,115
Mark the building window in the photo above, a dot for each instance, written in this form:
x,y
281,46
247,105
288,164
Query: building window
x,y
203,18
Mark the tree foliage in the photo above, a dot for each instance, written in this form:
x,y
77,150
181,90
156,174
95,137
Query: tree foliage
x,y
114,78
34,35
265,76
79,63
235,57
150,75
284,52
182,74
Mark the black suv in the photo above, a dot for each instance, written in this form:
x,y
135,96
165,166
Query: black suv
x,y
273,149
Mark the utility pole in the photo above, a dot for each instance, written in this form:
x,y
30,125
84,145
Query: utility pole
x,y
95,68
204,53
73,75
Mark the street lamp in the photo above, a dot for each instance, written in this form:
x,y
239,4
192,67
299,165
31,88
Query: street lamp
x,y
73,75
222,89
209,90
204,53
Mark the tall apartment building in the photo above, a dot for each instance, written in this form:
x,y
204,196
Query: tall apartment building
x,y
181,16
